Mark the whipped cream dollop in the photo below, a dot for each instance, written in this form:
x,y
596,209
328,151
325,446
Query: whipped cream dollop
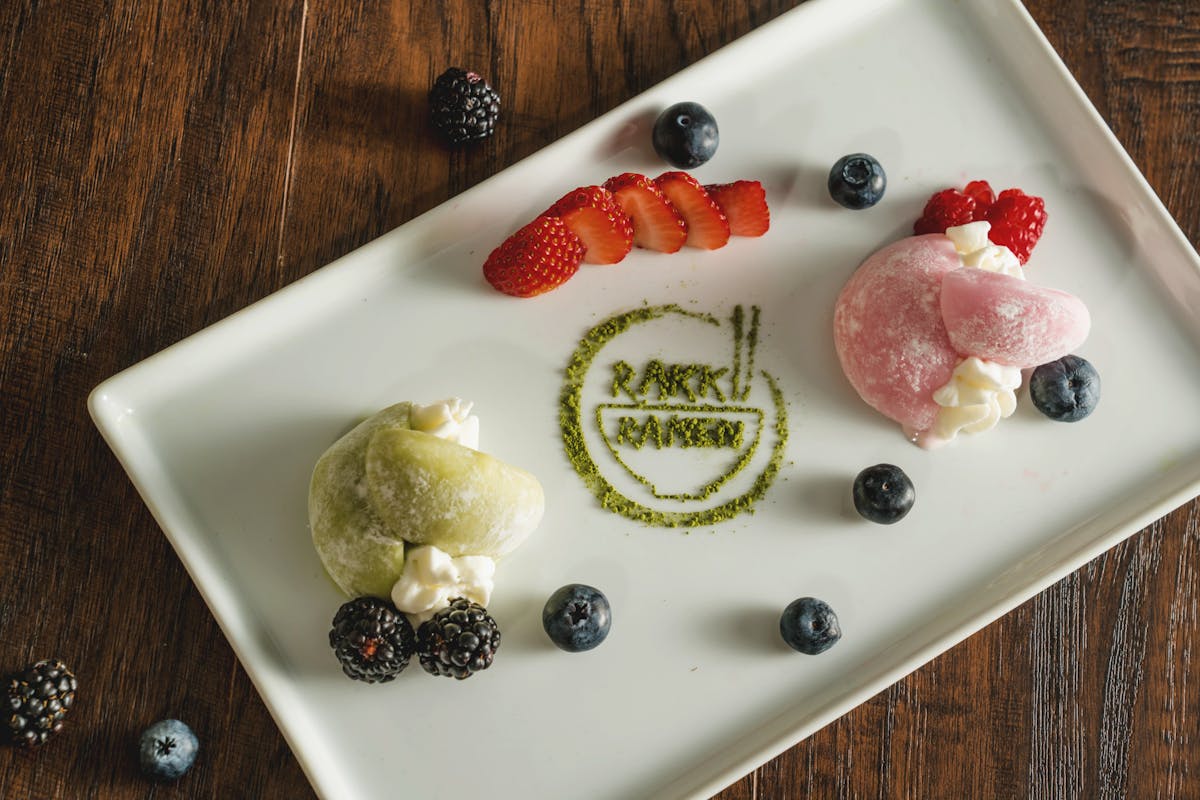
x,y
432,578
979,393
449,419
977,251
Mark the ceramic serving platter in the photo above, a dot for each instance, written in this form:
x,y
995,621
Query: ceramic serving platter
x,y
693,687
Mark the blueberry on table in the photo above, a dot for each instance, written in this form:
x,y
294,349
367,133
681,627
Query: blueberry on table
x,y
857,181
577,617
1065,390
167,750
685,135
809,626
883,493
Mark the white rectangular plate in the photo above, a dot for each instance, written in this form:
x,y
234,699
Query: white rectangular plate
x,y
693,687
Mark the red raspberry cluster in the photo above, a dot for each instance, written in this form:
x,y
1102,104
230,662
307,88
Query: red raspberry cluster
x,y
1017,219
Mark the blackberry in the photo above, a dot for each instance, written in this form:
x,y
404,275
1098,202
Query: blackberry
x,y
458,641
371,639
463,107
39,698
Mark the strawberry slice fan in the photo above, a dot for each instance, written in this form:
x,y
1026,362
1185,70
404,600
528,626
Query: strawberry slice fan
x,y
602,224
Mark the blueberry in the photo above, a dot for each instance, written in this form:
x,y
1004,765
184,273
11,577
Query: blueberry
x,y
809,626
1065,390
167,750
857,181
577,617
685,135
883,493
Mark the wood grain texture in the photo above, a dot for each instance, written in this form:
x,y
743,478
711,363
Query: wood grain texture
x,y
164,164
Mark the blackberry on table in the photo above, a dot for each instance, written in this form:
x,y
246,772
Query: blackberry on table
x,y
371,639
38,699
463,107
458,641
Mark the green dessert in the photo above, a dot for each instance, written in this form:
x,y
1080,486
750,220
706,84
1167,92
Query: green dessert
x,y
385,486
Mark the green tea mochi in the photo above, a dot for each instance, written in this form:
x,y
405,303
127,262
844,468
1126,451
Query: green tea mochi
x,y
432,491
361,552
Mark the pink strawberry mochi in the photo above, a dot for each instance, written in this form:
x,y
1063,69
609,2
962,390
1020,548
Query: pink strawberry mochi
x,y
888,331
1004,319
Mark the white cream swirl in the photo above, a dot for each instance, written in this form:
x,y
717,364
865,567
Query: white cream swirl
x,y
449,419
432,578
977,251
979,393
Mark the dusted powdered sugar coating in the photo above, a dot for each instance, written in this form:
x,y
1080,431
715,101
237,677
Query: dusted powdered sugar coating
x,y
358,549
1004,319
383,487
888,329
460,500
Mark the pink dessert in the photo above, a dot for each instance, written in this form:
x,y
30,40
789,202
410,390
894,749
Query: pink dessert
x,y
1004,319
887,327
933,330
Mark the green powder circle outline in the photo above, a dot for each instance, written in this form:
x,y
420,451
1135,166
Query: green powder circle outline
x,y
570,418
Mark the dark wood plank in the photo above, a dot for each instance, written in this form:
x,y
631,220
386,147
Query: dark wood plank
x,y
165,164
142,161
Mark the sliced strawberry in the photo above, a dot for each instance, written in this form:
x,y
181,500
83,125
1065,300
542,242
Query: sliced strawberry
x,y
744,204
708,228
594,216
535,259
657,225
1018,220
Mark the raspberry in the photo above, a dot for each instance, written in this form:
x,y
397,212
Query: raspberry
x,y
1017,222
945,209
981,192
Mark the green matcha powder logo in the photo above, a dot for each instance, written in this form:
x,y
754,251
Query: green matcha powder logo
x,y
658,419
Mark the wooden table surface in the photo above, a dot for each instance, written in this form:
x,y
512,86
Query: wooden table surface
x,y
163,164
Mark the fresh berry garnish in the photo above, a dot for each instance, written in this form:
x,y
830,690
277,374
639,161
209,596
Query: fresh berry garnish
x,y
462,106
167,750
744,204
577,617
883,493
458,641
948,208
657,225
685,135
981,192
809,626
707,226
595,217
857,181
539,257
37,701
1017,222
1066,390
371,639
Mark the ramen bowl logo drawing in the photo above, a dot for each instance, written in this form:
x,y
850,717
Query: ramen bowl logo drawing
x,y
667,419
